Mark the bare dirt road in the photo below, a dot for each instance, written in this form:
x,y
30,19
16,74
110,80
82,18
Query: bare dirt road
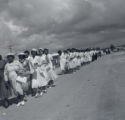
x,y
96,92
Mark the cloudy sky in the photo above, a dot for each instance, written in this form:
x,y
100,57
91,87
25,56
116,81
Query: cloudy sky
x,y
59,24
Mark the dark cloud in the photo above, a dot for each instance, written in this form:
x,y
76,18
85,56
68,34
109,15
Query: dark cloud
x,y
67,23
3,4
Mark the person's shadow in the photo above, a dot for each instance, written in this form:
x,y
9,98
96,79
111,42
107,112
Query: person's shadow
x,y
10,101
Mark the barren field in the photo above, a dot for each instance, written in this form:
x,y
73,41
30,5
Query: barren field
x,y
96,92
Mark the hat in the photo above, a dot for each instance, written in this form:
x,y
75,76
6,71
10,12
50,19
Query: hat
x,y
21,54
10,54
34,49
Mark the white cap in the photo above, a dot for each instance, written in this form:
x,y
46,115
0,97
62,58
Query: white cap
x,y
34,49
21,54
10,54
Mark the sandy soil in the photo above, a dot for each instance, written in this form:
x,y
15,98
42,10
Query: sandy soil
x,y
96,92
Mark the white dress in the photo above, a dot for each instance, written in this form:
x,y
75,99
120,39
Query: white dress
x,y
62,61
25,78
49,68
33,62
10,74
41,72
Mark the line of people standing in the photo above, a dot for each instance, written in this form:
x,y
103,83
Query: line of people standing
x,y
73,59
32,73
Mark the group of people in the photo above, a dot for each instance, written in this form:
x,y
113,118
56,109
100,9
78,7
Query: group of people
x,y
73,59
33,72
29,73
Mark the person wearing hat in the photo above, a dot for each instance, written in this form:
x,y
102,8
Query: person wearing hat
x,y
40,51
33,62
52,76
25,72
41,72
10,75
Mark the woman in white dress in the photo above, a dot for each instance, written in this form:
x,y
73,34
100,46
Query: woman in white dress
x,y
12,68
25,74
33,62
71,61
67,57
52,76
42,75
63,62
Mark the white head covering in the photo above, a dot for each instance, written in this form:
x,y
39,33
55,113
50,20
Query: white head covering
x,y
10,54
34,49
21,54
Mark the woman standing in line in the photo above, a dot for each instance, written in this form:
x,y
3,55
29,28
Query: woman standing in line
x,y
5,91
33,62
10,74
49,69
42,75
25,74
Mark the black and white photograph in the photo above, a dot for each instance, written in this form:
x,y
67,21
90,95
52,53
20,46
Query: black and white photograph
x,y
62,59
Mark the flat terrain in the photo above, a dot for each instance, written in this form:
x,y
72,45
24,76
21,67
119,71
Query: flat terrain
x,y
96,92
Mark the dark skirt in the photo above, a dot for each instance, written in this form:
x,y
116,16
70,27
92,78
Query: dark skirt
x,y
5,92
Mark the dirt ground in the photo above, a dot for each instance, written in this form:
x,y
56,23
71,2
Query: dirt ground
x,y
96,92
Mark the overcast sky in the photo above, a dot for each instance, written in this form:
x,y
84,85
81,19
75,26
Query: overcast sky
x,y
58,24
